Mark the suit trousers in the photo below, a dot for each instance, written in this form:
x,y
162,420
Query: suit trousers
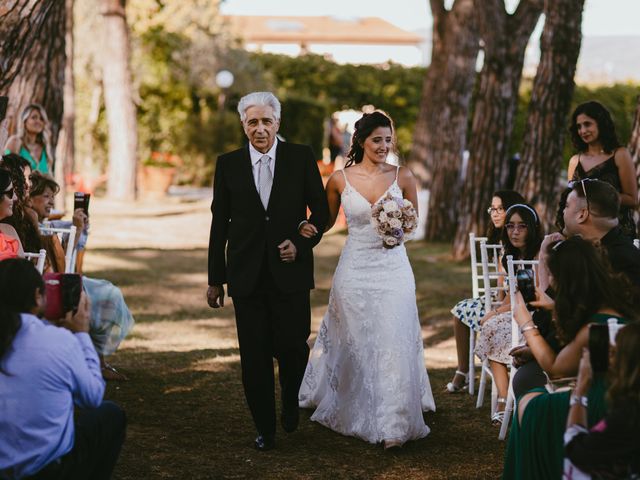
x,y
272,324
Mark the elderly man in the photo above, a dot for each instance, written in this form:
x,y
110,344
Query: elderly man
x,y
261,192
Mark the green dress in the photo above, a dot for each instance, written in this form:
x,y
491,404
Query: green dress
x,y
42,166
536,449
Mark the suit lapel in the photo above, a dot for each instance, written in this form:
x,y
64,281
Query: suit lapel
x,y
278,174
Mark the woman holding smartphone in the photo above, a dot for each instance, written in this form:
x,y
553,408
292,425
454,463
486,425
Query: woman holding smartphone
x,y
586,292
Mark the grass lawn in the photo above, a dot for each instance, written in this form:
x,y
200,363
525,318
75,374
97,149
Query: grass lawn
x,y
185,404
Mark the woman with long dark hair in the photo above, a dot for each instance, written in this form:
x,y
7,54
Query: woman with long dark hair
x,y
586,292
366,375
600,156
467,313
521,238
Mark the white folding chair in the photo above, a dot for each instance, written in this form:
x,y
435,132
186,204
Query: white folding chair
x,y
512,266
41,256
492,292
476,276
69,256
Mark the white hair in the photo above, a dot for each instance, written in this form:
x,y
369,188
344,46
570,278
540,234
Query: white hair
x,y
265,99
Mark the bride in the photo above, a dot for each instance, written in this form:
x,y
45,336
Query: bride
x,y
366,375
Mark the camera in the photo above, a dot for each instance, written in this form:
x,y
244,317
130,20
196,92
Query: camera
x,y
62,292
81,200
599,347
526,284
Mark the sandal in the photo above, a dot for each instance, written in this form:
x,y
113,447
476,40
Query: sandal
x,y
453,388
498,417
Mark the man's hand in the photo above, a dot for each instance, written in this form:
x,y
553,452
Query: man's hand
x,y
521,354
288,251
78,322
548,240
215,296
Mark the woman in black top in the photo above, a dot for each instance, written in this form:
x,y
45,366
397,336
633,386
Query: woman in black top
x,y
600,156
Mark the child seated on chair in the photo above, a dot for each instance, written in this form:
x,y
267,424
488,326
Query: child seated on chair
x,y
521,238
468,312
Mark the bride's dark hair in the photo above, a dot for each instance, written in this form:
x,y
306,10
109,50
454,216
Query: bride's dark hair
x,y
364,126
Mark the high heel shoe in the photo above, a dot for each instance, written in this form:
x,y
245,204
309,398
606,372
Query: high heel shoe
x,y
498,416
453,388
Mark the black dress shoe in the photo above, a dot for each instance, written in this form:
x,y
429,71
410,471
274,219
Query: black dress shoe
x,y
265,442
289,419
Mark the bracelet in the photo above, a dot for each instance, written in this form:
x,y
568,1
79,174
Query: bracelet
x,y
526,329
578,399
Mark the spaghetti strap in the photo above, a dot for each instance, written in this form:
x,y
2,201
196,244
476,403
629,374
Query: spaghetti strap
x,y
397,170
345,176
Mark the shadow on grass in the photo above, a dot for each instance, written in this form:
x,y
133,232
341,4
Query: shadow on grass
x,y
188,419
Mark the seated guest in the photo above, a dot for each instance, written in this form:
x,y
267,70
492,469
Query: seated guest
x,y
586,292
590,209
23,219
521,238
612,447
10,246
44,371
41,200
467,313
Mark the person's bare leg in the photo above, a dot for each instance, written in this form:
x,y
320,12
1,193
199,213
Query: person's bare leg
x,y
501,379
461,333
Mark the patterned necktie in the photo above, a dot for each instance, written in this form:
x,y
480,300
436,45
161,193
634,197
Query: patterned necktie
x,y
265,180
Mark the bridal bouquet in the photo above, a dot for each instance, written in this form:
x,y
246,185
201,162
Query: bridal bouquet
x,y
393,218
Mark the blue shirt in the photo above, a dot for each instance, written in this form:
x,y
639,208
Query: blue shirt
x,y
50,369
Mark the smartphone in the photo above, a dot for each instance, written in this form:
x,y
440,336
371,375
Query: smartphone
x,y
599,347
81,200
71,284
526,285
4,103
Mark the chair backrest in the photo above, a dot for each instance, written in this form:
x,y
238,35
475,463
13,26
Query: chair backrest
x,y
490,290
41,256
69,257
512,267
476,266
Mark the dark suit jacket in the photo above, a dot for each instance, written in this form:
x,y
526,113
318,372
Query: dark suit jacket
x,y
243,227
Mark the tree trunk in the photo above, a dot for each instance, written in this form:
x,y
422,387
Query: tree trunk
x,y
119,104
440,133
541,162
32,49
65,151
505,38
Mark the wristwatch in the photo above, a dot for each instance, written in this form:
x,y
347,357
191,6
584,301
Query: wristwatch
x,y
582,400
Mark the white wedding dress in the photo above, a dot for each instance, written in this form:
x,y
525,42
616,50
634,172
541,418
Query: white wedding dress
x,y
366,375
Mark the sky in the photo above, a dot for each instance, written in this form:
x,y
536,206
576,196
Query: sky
x,y
601,17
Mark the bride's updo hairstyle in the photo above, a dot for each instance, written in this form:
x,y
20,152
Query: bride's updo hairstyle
x,y
367,124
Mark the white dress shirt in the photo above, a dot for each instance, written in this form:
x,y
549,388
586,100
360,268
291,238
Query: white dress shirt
x,y
255,158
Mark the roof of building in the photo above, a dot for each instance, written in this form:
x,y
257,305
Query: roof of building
x,y
327,29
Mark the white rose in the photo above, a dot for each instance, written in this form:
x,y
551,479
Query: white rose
x,y
382,217
390,206
407,203
395,223
391,241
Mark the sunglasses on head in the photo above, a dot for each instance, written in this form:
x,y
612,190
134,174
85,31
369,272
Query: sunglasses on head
x,y
582,183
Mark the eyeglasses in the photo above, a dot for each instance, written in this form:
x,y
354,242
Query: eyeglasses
x,y
492,210
516,227
8,193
